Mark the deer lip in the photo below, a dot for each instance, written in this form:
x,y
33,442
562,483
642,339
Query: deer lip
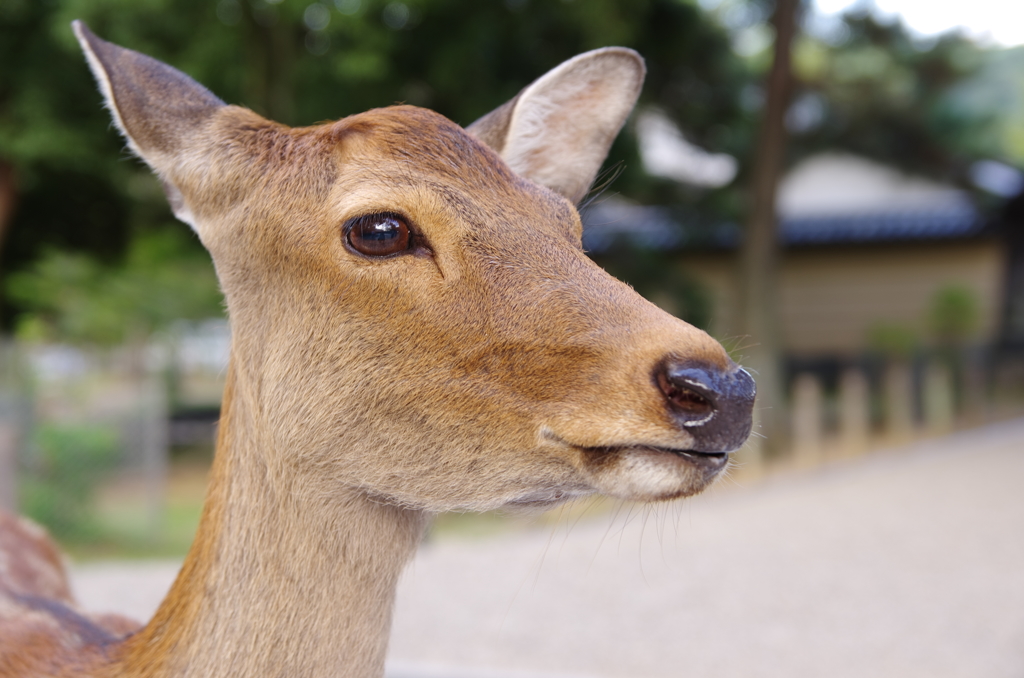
x,y
706,461
710,462
694,455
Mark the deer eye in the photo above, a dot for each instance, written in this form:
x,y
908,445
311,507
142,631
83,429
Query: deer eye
x,y
378,235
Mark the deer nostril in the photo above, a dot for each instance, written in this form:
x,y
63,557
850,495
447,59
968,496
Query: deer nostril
x,y
715,405
690,393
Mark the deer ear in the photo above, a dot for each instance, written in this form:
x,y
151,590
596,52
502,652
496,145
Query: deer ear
x,y
156,107
558,130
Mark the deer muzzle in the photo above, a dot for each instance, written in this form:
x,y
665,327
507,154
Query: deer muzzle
x,y
712,404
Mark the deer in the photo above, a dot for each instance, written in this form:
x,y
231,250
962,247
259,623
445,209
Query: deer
x,y
416,328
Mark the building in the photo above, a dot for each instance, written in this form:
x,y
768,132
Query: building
x,y
864,247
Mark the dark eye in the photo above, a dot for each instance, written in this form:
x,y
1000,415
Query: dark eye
x,y
378,235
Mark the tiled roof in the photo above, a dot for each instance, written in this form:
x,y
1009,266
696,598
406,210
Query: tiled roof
x,y
654,227
960,221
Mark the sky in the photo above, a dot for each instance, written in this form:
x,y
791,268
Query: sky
x,y
998,22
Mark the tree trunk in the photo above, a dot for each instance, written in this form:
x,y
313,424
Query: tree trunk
x,y
271,45
8,197
759,255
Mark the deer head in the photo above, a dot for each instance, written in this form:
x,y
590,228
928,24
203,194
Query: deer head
x,y
413,312
415,328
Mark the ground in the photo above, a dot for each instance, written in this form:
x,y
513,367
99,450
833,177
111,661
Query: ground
x,y
906,563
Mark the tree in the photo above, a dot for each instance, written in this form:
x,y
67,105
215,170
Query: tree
x,y
61,183
759,252
876,91
300,62
71,296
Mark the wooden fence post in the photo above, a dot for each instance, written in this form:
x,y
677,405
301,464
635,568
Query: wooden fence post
x,y
854,412
807,420
155,447
899,401
938,398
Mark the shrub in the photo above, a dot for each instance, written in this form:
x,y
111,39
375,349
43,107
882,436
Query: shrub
x,y
68,462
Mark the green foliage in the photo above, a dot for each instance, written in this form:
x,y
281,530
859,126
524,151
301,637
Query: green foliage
x,y
72,297
43,104
876,91
304,61
893,340
951,319
996,95
70,460
953,315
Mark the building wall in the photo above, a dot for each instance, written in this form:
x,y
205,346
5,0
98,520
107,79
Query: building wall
x,y
832,297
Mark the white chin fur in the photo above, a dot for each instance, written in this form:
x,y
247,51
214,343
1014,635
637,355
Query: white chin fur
x,y
649,475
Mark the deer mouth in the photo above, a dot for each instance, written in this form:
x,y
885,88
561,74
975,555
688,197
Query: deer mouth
x,y
650,472
644,472
710,463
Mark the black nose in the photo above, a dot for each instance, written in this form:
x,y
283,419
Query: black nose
x,y
714,405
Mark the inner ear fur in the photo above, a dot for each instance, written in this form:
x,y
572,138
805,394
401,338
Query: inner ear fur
x,y
557,131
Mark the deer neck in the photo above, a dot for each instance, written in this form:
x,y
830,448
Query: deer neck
x,y
279,581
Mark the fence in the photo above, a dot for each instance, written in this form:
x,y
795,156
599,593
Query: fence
x,y
86,435
839,410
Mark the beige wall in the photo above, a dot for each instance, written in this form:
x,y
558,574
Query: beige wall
x,y
831,297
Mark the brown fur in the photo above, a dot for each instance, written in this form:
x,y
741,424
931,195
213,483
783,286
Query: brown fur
x,y
41,631
495,366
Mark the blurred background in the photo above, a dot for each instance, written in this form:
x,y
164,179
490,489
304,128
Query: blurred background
x,y
832,190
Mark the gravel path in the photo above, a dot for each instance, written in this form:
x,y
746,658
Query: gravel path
x,y
907,563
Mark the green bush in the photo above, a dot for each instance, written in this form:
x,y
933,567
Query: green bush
x,y
71,297
67,464
953,315
893,340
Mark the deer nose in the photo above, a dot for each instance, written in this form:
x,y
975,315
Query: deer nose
x,y
714,405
